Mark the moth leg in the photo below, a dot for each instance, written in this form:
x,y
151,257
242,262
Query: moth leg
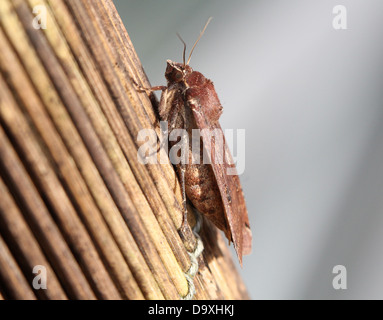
x,y
151,89
184,206
173,119
171,125
183,184
185,140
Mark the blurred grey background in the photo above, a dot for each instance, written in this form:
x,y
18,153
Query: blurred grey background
x,y
311,100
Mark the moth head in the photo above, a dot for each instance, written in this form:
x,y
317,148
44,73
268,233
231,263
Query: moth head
x,y
176,72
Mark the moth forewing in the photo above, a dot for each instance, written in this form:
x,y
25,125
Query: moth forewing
x,y
215,144
231,193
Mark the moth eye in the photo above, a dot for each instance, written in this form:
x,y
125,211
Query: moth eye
x,y
178,76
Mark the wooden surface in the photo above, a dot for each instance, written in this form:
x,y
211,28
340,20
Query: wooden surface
x,y
74,197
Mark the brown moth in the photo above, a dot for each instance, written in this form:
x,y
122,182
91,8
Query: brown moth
x,y
189,101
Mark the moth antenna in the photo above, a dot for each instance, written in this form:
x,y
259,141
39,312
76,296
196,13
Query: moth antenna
x,y
199,37
184,53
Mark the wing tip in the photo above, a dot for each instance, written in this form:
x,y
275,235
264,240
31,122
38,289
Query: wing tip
x,y
247,241
244,248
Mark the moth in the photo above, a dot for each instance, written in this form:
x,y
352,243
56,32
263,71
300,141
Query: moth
x,y
189,101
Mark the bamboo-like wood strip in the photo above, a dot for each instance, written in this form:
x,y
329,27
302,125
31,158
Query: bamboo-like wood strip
x,y
25,245
12,277
90,212
50,185
221,265
71,115
42,225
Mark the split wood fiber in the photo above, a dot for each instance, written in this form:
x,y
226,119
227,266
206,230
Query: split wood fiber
x,y
73,196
